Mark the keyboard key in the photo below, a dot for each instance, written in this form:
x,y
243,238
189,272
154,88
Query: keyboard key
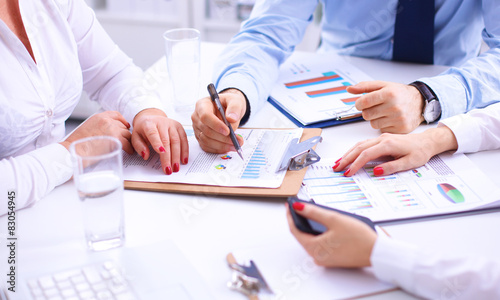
x,y
46,282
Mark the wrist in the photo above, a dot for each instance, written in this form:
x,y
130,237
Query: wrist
x,y
441,139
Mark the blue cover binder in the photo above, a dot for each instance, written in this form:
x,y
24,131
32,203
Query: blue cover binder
x,y
321,124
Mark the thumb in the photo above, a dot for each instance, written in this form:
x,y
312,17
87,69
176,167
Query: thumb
x,y
366,87
235,110
401,164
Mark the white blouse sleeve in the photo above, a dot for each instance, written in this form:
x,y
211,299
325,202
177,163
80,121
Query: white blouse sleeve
x,y
477,130
435,275
109,75
34,174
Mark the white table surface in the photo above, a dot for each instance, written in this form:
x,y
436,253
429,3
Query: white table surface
x,y
206,229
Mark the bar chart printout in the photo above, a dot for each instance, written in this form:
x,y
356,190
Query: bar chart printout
x,y
262,152
313,88
447,184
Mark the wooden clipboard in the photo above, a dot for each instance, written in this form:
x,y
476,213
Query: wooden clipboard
x,y
290,186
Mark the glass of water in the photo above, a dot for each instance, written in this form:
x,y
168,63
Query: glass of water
x,y
182,51
99,183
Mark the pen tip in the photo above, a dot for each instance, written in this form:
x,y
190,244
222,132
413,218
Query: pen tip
x,y
239,153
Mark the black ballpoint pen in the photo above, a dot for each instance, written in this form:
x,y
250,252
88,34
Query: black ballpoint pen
x,y
215,98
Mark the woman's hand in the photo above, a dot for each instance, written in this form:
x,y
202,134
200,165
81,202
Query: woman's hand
x,y
110,123
347,243
409,151
166,136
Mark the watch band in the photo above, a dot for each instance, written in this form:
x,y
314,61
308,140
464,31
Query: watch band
x,y
425,90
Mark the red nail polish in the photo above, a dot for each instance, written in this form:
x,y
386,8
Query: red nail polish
x,y
185,161
378,171
298,206
346,173
168,170
176,167
143,154
338,160
336,165
162,149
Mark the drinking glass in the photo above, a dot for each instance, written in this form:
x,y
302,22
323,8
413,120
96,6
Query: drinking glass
x,y
99,184
182,51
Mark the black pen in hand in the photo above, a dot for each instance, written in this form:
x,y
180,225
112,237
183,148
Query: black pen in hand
x,y
215,98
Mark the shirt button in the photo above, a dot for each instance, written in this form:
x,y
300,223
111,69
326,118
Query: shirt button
x,y
49,113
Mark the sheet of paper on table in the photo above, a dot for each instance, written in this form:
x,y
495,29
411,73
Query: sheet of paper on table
x,y
262,153
448,183
292,274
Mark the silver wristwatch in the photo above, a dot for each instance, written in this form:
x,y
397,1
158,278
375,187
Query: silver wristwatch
x,y
432,107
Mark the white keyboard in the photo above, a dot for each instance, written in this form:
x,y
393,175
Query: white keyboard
x,y
93,282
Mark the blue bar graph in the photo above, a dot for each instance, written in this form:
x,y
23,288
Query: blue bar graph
x,y
255,164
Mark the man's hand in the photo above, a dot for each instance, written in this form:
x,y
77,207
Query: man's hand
x,y
390,107
210,130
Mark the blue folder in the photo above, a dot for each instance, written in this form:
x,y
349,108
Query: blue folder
x,y
321,124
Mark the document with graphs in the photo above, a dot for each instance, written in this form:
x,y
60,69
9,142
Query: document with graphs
x,y
262,153
448,183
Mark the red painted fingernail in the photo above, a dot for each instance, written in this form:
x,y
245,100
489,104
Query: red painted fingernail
x,y
168,170
143,154
162,149
378,171
298,206
336,165
185,161
346,173
128,125
338,160
176,167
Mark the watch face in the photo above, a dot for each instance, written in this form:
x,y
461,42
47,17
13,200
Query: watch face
x,y
432,111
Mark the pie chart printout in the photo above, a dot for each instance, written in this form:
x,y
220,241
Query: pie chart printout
x,y
450,193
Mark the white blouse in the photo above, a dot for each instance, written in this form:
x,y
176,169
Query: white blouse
x,y
435,275
72,51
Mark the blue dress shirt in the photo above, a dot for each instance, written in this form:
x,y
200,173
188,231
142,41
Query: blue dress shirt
x,y
365,28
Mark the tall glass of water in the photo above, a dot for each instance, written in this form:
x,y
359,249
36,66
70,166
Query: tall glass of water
x,y
99,184
182,51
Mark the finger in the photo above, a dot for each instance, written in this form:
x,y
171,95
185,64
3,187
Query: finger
x,y
119,117
206,114
212,145
234,109
126,142
175,145
152,136
366,87
368,155
369,100
315,213
301,237
402,164
140,146
166,156
353,153
184,143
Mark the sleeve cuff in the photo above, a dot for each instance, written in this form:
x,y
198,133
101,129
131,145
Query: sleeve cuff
x,y
393,261
139,104
247,87
450,93
60,167
466,132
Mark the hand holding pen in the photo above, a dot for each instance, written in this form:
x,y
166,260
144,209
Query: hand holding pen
x,y
210,130
215,98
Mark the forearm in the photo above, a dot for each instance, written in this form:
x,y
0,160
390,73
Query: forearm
x,y
251,61
34,174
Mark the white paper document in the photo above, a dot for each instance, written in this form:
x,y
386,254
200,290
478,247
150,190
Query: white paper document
x,y
448,183
262,153
312,88
292,274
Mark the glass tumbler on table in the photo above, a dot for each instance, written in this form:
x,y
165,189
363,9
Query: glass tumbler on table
x,y
99,184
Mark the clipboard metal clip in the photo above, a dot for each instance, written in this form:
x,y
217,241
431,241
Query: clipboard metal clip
x,y
300,155
247,279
